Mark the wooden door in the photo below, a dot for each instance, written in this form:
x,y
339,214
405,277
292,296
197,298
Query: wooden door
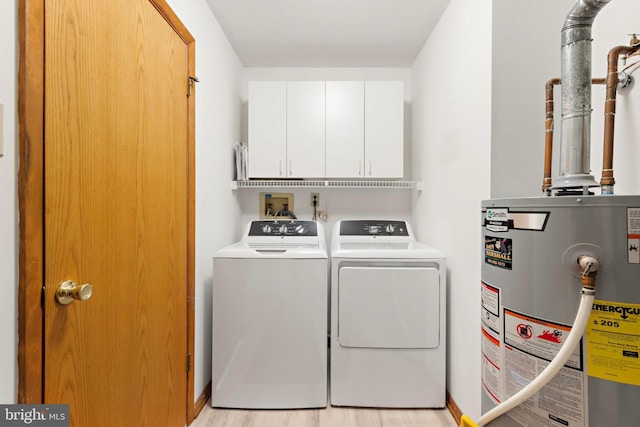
x,y
116,212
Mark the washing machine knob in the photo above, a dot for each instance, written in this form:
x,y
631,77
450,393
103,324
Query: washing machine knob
x,y
390,228
374,229
283,229
300,229
266,229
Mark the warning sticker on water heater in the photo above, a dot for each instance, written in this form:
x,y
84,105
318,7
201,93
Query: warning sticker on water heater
x,y
613,342
530,343
633,235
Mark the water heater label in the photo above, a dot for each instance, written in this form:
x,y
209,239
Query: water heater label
x,y
490,300
491,337
497,220
502,220
529,344
633,235
491,364
613,342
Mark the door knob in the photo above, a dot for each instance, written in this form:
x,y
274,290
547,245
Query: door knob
x,y
69,290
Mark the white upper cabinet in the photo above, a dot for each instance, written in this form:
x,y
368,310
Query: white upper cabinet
x,y
365,129
305,129
286,129
345,130
384,129
334,129
267,130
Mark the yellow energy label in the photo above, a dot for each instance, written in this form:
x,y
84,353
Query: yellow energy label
x,y
613,342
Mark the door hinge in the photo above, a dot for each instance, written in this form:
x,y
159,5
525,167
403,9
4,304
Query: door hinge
x,y
192,81
188,362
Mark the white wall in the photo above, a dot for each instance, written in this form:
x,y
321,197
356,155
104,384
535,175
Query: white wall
x,y
339,203
525,54
9,203
218,125
451,82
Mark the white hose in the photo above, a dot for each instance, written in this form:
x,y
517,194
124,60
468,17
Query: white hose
x,y
573,339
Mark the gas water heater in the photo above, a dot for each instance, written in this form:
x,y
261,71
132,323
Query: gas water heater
x,y
539,254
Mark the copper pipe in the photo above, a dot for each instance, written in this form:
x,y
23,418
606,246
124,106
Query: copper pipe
x,y
548,128
548,132
610,110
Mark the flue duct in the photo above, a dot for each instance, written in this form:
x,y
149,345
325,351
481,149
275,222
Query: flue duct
x,y
575,170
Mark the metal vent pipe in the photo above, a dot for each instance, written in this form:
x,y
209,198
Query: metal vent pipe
x,y
576,95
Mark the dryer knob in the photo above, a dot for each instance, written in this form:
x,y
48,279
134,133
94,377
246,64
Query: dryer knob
x,y
300,229
390,228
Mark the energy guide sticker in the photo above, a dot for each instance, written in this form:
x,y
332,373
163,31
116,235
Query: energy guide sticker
x,y
613,342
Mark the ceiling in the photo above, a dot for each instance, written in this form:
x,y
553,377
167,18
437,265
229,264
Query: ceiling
x,y
327,33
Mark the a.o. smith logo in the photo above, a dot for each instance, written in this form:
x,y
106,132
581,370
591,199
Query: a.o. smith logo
x,y
497,215
497,220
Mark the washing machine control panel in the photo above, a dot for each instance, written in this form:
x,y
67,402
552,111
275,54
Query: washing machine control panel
x,y
373,228
283,228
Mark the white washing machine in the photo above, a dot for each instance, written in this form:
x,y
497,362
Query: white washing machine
x,y
388,335
270,309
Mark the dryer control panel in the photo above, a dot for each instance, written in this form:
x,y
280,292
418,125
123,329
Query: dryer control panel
x,y
284,228
373,228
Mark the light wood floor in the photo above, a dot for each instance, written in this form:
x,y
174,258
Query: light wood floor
x,y
329,417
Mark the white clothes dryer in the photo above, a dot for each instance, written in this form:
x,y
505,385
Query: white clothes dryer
x,y
388,334
270,318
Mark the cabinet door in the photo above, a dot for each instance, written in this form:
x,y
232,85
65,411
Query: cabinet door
x,y
384,129
345,130
267,129
305,129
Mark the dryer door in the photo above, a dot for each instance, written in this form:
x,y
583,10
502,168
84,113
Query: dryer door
x,y
389,307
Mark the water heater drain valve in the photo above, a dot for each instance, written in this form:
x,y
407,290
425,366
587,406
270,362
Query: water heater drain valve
x,y
589,266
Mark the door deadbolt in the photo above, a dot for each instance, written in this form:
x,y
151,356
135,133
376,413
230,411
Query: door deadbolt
x,y
69,290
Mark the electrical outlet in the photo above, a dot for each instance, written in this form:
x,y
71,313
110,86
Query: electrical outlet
x,y
323,215
317,196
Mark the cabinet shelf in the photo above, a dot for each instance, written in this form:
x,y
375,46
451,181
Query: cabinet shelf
x,y
325,183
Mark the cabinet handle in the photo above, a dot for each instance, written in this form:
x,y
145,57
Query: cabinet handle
x,y
369,167
290,167
280,167
359,167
